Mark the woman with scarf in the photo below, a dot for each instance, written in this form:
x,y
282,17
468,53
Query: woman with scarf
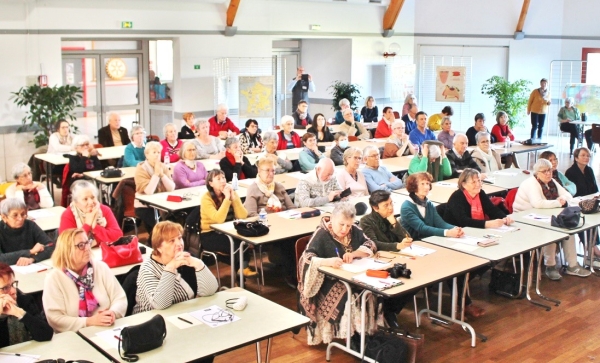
x,y
21,319
559,177
537,107
171,145
85,159
502,132
282,164
288,138
188,130
398,143
87,213
487,158
235,161
34,194
310,154
433,160
188,172
321,130
541,191
80,291
250,140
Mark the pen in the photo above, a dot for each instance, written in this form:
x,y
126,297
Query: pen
x,y
337,252
408,236
187,321
43,270
117,338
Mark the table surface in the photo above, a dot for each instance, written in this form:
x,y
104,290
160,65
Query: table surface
x,y
508,178
525,239
128,172
106,153
591,220
67,345
398,199
261,319
49,218
159,200
442,191
438,266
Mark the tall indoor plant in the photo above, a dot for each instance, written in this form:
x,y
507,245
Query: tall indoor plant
x,y
46,105
508,97
344,90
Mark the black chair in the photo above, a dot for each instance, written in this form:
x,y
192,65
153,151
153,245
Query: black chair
x,y
130,288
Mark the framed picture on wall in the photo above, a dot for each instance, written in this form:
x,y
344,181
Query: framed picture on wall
x,y
450,84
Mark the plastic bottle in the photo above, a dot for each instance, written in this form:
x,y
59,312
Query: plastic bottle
x,y
507,143
262,216
167,159
234,182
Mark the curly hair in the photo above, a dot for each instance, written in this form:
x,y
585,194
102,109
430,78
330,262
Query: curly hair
x,y
413,180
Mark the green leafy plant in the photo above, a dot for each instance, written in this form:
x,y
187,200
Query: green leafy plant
x,y
46,105
509,97
344,90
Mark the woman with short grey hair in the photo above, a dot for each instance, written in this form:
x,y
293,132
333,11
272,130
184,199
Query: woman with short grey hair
x,y
188,172
85,159
235,162
134,151
270,141
569,113
486,157
351,177
207,146
33,194
170,145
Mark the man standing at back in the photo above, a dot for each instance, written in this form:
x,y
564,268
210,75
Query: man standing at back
x,y
113,134
421,133
221,126
300,86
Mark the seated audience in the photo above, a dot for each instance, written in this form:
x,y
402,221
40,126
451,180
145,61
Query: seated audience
x,y
22,319
432,160
369,112
310,154
460,158
341,144
188,130
384,127
446,136
188,172
250,140
501,132
288,138
134,152
61,141
478,127
34,194
410,119
113,134
581,174
221,126
320,128
80,291
570,113
421,133
559,177
271,140
170,145
22,241
235,162
352,127
207,146
301,116
319,187
410,100
339,115
171,275
378,177
398,143
350,176
85,159
486,157
435,120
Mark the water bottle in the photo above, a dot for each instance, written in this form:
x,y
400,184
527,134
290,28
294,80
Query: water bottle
x,y
262,216
167,158
234,182
507,143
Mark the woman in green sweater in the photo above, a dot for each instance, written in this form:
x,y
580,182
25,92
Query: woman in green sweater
x,y
433,161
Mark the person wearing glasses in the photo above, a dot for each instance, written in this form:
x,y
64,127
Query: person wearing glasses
x,y
85,159
250,139
171,145
398,143
378,176
188,172
21,318
80,291
487,158
86,212
34,194
22,241
134,152
350,176
171,275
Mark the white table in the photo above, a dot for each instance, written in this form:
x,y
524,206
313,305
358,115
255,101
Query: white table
x,y
47,219
508,178
442,190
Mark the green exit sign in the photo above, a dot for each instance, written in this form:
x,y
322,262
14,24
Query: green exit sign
x,y
126,24
196,66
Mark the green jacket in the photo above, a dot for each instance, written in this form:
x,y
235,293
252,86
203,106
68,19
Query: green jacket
x,y
380,231
419,164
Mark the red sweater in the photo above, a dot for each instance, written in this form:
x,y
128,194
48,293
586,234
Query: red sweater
x,y
383,130
282,145
215,127
173,151
499,132
110,233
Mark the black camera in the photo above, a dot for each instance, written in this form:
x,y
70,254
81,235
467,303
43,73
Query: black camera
x,y
399,270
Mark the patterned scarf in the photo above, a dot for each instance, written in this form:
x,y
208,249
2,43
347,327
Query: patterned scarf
x,y
344,241
32,199
80,217
550,190
85,284
273,204
231,160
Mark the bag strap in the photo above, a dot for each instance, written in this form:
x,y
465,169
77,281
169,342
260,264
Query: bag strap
x,y
126,357
582,223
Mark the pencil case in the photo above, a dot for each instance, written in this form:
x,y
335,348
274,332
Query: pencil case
x,y
382,274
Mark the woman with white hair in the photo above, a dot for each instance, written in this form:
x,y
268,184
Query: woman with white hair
x,y
569,113
207,146
288,138
85,159
86,212
350,176
151,176
433,161
486,157
170,144
188,172
398,143
541,191
271,140
134,151
235,162
34,194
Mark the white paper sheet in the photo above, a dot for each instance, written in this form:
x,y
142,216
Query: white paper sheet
x,y
215,316
290,214
506,172
470,240
111,336
503,229
183,324
20,358
464,247
416,250
29,269
538,217
447,184
39,213
364,264
377,282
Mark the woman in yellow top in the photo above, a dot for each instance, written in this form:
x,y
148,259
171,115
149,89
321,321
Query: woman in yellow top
x,y
435,121
537,107
218,205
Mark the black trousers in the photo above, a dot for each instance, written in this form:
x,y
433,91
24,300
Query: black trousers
x,y
217,242
147,216
573,130
537,122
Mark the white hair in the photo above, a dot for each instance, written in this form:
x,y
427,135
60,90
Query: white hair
x,y
79,186
10,204
541,164
80,140
166,127
344,101
18,169
458,136
345,209
285,119
152,145
434,151
222,106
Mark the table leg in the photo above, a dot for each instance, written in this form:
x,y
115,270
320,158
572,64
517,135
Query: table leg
x,y
537,283
156,215
590,248
241,262
532,255
49,183
258,354
268,357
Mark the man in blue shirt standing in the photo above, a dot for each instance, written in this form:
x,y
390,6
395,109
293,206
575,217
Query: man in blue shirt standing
x,y
378,177
421,133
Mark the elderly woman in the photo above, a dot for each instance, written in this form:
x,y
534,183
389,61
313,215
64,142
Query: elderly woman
x,y
80,291
21,318
559,177
250,140
188,172
369,112
235,161
188,130
87,213
408,102
341,144
22,241
170,145
310,154
85,159
502,132
134,151
582,174
151,176
220,204
207,146
61,140
446,136
486,157
34,194
570,113
419,216
350,176
398,143
282,165
433,160
265,192
288,138
321,130
541,191
171,275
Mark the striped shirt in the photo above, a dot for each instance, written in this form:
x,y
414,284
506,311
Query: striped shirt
x,y
159,289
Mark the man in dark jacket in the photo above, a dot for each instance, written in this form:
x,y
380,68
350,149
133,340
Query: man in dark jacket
x,y
113,134
459,157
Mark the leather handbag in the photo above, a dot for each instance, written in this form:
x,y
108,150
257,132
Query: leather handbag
x,y
569,218
141,338
589,206
250,229
122,252
111,172
414,342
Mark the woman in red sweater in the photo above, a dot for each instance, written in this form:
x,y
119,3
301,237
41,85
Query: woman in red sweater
x,y
502,132
288,139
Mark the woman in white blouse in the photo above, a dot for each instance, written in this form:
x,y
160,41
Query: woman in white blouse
x,y
350,176
60,141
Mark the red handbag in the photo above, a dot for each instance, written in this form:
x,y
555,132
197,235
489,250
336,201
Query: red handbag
x,y
122,252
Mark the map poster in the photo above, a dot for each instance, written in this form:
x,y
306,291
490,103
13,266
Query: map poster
x,y
450,84
587,98
256,96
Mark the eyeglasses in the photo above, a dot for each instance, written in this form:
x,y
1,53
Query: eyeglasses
x,y
222,316
374,156
83,245
269,171
15,216
484,141
547,171
6,289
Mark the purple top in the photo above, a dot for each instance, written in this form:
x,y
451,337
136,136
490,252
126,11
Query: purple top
x,y
184,177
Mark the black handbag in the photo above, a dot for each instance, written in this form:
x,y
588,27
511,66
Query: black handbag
x,y
506,283
569,218
383,347
590,206
111,172
141,338
250,229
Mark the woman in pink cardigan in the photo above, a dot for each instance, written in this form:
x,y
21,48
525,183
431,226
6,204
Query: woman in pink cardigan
x,y
188,172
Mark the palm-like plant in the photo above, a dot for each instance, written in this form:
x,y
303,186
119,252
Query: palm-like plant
x,y
344,90
509,97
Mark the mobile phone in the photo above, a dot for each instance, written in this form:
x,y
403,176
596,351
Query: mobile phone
x,y
345,193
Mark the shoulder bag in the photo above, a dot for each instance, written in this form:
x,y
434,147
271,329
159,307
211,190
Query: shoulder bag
x,y
141,338
250,229
122,252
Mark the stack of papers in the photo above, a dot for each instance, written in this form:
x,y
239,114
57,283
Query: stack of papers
x,y
538,217
377,282
364,264
34,267
416,250
475,241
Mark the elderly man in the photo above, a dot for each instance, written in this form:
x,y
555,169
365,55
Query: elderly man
x,y
300,86
384,127
378,177
113,134
301,117
459,157
410,119
353,128
221,126
319,187
344,105
421,133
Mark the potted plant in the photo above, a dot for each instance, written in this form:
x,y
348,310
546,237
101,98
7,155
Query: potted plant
x,y
341,90
46,105
509,97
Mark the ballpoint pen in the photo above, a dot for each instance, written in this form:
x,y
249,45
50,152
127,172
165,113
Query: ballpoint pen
x,y
408,236
337,252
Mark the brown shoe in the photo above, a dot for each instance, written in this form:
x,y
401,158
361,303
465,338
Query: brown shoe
x,y
474,311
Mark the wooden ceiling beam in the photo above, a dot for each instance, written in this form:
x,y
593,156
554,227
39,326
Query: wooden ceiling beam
x,y
231,11
391,14
523,15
